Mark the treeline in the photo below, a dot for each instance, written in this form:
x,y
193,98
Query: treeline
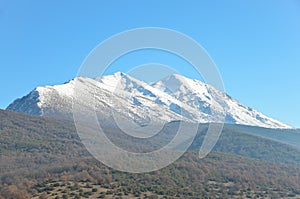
x,y
218,175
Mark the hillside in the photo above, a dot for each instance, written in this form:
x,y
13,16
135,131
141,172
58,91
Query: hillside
x,y
43,157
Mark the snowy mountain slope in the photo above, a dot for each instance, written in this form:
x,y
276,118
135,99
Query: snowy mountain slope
x,y
134,101
201,96
56,101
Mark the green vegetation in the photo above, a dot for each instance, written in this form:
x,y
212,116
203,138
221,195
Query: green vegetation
x,y
44,158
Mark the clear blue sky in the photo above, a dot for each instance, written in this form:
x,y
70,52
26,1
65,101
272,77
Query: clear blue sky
x,y
255,44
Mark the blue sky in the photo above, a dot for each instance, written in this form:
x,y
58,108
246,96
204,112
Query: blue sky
x,y
255,44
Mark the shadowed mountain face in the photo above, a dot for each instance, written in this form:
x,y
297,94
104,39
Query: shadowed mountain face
x,y
121,97
37,154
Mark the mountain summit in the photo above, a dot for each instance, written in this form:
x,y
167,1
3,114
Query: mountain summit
x,y
172,98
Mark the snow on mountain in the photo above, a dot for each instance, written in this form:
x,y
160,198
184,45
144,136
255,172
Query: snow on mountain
x,y
131,100
201,96
56,101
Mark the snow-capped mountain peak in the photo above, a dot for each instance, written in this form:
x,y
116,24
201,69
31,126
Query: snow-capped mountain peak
x,y
172,98
201,96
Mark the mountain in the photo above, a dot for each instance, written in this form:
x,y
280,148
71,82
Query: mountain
x,y
119,98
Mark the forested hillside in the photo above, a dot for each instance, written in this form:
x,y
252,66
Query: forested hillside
x,y
44,158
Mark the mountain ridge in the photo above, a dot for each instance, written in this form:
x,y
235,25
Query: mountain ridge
x,y
173,98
